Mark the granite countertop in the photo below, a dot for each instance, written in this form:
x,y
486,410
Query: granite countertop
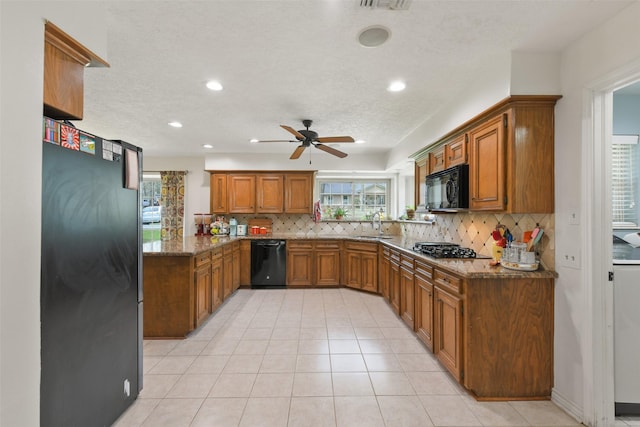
x,y
470,268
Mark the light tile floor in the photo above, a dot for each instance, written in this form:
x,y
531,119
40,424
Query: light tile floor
x,y
312,357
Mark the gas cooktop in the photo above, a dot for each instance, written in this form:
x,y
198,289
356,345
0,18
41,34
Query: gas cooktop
x,y
444,250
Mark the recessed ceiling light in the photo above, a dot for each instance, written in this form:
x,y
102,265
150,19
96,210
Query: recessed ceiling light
x,y
207,146
396,86
214,85
175,124
360,141
253,140
373,36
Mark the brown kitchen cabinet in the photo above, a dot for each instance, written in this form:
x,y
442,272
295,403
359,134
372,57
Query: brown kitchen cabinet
x,y
326,254
455,151
313,263
360,269
247,192
436,159
407,291
298,193
64,62
421,169
241,193
394,281
269,193
423,317
300,263
227,271
384,256
447,343
510,152
235,269
202,284
245,262
218,200
486,166
217,290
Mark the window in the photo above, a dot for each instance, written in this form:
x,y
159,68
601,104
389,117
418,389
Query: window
x,y
625,159
360,199
151,193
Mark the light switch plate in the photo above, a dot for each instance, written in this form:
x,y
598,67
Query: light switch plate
x,y
574,218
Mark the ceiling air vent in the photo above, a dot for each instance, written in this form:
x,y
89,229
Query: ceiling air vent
x,y
386,4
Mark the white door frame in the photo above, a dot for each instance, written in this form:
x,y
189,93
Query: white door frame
x,y
597,244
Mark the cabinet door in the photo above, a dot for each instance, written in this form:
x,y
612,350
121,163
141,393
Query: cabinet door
x,y
383,273
298,193
242,193
421,172
447,314
202,293
406,296
235,277
487,165
269,193
352,276
327,263
227,275
245,262
369,277
455,152
436,160
394,285
217,292
423,317
218,193
299,263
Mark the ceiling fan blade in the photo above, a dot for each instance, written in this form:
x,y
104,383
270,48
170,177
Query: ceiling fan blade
x,y
331,150
293,132
275,140
298,152
335,139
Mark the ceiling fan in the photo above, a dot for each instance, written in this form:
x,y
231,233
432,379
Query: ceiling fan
x,y
310,138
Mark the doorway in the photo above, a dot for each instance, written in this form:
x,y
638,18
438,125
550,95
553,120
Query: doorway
x,y
598,247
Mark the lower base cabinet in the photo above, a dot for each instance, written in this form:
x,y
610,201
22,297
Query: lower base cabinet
x,y
423,286
447,345
360,269
394,281
313,263
217,291
407,292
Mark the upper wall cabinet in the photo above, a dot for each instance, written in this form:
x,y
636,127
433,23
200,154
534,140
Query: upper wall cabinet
x,y
509,149
64,62
248,192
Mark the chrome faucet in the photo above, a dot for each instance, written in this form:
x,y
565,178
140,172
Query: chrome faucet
x,y
373,221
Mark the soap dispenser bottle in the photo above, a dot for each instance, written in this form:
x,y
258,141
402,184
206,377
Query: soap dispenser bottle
x,y
233,227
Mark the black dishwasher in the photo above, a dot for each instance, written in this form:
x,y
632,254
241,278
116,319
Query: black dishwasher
x,y
268,263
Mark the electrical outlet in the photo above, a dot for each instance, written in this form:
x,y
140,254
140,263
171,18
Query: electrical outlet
x,y
574,218
127,388
570,260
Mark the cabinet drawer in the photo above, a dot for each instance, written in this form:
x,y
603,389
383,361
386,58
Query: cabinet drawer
x,y
202,258
394,256
424,270
361,246
299,245
448,281
216,253
406,262
327,245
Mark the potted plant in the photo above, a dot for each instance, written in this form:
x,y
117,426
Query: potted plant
x,y
339,213
411,212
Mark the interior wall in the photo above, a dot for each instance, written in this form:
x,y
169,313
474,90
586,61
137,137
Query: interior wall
x,y
599,53
21,78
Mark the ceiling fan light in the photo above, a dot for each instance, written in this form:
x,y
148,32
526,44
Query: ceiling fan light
x,y
214,85
397,86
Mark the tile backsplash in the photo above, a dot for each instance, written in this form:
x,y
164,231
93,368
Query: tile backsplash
x,y
468,229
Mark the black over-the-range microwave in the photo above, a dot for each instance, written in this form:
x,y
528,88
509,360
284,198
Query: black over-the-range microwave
x,y
448,189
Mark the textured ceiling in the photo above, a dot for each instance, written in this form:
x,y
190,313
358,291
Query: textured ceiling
x,y
284,61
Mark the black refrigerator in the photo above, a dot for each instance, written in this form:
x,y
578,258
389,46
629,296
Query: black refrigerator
x,y
91,278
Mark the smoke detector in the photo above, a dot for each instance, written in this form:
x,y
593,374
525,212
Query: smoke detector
x,y
386,4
